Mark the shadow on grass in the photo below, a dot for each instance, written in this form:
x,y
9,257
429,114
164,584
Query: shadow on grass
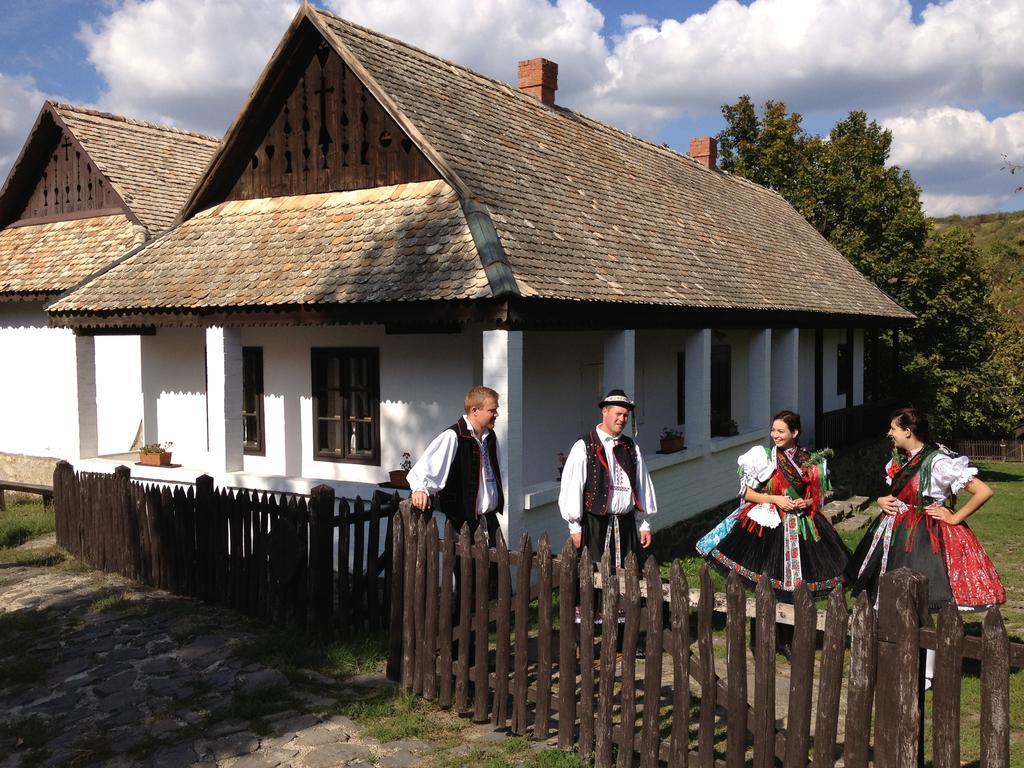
x,y
995,476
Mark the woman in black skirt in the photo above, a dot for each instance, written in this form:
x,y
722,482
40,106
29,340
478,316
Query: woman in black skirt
x,y
777,532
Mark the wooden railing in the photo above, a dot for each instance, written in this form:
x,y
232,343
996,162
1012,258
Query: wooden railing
x,y
991,450
510,657
312,562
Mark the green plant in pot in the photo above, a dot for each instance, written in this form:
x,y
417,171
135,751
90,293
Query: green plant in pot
x,y
155,454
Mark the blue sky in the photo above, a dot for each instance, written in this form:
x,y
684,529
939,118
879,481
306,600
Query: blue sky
x,y
946,78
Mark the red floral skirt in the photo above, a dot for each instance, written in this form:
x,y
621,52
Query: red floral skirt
x,y
973,579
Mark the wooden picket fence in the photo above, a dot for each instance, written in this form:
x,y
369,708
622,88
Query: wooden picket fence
x,y
315,563
503,655
991,450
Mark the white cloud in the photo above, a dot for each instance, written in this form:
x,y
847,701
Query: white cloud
x,y
20,102
186,62
827,56
491,37
956,155
192,62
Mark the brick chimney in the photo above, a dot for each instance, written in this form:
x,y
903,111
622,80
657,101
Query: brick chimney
x,y
539,78
705,151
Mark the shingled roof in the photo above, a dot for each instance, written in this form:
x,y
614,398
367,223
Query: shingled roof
x,y
583,212
50,258
121,181
589,212
153,167
359,246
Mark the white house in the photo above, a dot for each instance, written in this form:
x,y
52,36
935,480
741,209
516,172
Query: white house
x,y
381,229
86,188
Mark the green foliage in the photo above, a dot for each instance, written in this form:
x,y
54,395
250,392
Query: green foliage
x,y
25,520
958,359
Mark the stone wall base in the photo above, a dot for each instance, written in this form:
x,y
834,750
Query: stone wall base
x,y
20,468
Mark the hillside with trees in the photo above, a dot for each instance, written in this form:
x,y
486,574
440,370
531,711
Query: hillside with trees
x,y
962,359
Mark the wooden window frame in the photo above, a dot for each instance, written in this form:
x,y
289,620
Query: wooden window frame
x,y
259,447
318,358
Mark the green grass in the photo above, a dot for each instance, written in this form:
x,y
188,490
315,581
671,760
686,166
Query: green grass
x,y
24,520
38,558
292,653
391,715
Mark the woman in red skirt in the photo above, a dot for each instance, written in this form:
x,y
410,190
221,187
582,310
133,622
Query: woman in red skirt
x,y
920,527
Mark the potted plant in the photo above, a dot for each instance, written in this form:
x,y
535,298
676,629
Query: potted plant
x,y
671,440
722,425
399,477
155,454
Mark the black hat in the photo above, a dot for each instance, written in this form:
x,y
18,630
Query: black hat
x,y
617,397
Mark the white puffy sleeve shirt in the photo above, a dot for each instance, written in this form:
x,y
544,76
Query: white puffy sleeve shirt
x,y
950,475
756,467
574,477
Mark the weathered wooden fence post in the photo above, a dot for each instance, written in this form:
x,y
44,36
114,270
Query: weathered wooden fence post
x,y
897,714
321,555
64,495
205,542
128,546
394,667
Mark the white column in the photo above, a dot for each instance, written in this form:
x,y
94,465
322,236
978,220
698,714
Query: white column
x,y
785,370
759,380
224,398
86,443
149,348
503,372
620,362
698,388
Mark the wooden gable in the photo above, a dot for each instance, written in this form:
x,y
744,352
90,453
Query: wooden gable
x,y
330,135
55,179
69,183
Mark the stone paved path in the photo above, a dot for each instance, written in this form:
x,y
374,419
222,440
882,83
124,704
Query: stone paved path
x,y
147,678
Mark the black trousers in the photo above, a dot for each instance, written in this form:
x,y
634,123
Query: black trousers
x,y
595,538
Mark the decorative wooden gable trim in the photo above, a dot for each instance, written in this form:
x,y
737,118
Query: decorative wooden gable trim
x,y
331,135
292,80
54,179
69,184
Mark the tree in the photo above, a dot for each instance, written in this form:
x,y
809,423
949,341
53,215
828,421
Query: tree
x,y
872,214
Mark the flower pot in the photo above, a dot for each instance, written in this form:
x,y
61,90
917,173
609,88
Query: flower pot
x,y
671,444
398,477
161,459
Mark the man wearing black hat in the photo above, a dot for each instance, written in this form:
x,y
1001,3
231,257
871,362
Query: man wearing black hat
x,y
606,496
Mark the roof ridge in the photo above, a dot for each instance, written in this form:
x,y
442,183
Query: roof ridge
x,y
515,91
59,105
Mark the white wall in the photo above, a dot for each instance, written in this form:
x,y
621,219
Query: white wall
x,y
562,386
423,381
38,406
118,392
806,384
657,364
174,392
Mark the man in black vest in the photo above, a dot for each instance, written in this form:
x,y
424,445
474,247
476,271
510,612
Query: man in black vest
x,y
606,495
461,468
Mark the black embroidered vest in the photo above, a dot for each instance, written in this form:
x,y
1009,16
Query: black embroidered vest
x,y
597,490
459,495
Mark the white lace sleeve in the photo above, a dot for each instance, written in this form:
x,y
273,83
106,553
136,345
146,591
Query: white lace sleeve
x,y
755,467
888,468
950,474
